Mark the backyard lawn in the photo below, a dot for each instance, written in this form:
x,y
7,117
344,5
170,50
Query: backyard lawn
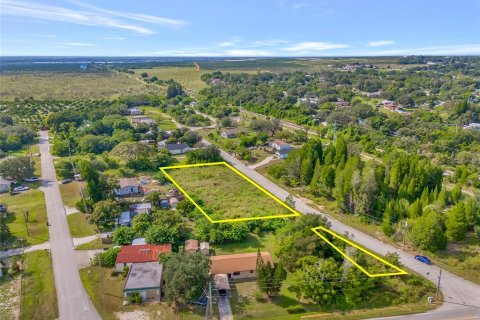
x,y
253,242
39,300
163,122
32,201
225,193
110,303
79,225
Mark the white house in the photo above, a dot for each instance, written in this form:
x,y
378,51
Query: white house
x,y
280,145
128,187
175,148
240,266
138,120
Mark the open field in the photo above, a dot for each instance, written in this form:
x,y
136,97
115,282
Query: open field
x,y
32,201
71,193
110,303
163,122
226,194
39,300
72,85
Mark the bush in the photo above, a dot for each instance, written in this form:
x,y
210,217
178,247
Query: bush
x,y
296,309
125,271
477,231
107,258
259,296
135,298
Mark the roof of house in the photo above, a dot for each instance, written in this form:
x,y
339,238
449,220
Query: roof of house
x,y
279,142
231,130
191,244
142,253
147,275
204,245
124,218
231,263
140,206
283,151
221,282
175,146
138,241
127,182
173,200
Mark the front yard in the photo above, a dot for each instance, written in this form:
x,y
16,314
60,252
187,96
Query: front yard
x,y
33,202
79,225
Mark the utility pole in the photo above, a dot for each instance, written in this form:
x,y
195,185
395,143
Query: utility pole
x,y
405,228
25,216
438,284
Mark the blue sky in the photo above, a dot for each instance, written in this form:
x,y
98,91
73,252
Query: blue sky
x,y
239,27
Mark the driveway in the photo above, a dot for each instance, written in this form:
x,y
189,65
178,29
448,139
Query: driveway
x,y
73,301
224,309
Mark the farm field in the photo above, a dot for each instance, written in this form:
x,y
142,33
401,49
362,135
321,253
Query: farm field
x,y
71,85
225,194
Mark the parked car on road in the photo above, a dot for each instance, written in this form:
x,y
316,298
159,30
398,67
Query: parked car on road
x,y
423,259
21,188
65,181
32,179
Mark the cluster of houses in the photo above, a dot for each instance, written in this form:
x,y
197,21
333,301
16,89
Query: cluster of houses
x,y
145,271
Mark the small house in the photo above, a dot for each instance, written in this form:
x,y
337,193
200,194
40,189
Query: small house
x,y
5,185
205,248
137,208
230,133
128,187
222,286
129,255
173,203
135,112
175,148
240,266
125,219
144,278
191,246
139,120
193,104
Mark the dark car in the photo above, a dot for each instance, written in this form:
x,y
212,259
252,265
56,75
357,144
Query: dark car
x,y
65,181
423,259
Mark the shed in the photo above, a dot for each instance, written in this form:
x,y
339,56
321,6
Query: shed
x,y
191,246
173,202
205,248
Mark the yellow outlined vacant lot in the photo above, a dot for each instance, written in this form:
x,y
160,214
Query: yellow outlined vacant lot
x,y
292,214
400,271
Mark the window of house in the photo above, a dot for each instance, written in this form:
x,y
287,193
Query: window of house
x,y
236,273
252,271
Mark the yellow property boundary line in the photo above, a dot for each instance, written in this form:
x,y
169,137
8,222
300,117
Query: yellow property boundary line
x,y
164,171
400,271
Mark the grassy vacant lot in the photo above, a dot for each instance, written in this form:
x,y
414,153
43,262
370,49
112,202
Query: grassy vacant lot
x,y
225,193
74,85
71,193
39,300
246,306
32,201
110,302
163,122
189,78
79,225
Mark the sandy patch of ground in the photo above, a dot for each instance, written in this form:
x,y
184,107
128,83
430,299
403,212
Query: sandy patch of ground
x,y
133,315
10,299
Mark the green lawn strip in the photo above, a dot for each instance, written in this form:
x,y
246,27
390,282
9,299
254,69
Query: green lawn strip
x,y
79,225
253,242
226,193
93,245
71,193
32,201
111,301
39,299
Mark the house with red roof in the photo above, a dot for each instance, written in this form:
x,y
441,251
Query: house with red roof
x,y
129,255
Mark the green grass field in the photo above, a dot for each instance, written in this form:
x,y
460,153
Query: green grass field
x,y
32,201
110,303
74,85
39,300
189,78
225,193
71,193
163,122
79,226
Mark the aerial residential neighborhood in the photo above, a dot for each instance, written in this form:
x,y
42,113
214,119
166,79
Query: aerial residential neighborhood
x,y
213,160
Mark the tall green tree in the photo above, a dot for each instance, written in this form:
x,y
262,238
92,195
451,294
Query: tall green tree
x,y
428,233
456,222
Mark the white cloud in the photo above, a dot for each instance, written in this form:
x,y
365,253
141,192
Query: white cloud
x,y
381,43
79,44
93,17
466,49
308,47
299,5
267,43
114,38
248,53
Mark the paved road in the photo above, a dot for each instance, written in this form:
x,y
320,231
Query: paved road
x,y
73,301
19,251
462,297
